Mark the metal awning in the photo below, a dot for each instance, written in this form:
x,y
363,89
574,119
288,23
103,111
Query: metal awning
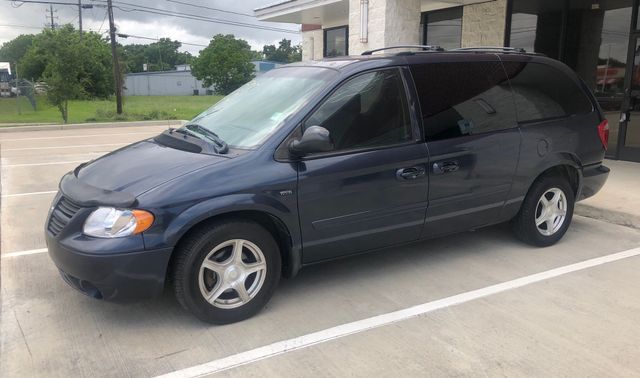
x,y
322,12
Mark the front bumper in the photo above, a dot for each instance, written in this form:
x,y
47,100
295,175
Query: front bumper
x,y
106,273
593,179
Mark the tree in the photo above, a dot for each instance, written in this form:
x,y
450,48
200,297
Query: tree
x,y
13,51
225,64
159,56
72,68
284,53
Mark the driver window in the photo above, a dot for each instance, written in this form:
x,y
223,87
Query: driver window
x,y
369,110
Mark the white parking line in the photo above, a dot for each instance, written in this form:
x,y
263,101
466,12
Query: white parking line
x,y
343,330
61,147
28,194
79,136
23,253
48,163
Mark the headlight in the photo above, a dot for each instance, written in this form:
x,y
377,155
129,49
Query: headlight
x,y
109,222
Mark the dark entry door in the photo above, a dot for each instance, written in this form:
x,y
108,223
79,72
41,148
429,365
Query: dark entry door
x,y
629,138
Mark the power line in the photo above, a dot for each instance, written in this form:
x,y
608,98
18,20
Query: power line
x,y
41,2
18,4
123,35
99,31
163,12
19,26
106,13
210,8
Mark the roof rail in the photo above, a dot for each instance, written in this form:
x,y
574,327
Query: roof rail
x,y
422,47
492,48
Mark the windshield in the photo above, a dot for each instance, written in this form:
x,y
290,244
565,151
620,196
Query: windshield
x,y
247,116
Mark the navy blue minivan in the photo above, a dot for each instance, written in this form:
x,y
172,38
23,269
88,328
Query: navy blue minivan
x,y
319,160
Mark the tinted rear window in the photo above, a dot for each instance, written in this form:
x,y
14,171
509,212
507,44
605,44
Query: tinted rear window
x,y
543,92
463,98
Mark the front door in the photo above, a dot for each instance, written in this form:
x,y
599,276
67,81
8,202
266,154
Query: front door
x,y
371,191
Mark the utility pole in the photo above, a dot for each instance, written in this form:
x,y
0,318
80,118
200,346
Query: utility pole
x,y
53,24
114,55
80,17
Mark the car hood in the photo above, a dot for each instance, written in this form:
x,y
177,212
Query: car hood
x,y
141,166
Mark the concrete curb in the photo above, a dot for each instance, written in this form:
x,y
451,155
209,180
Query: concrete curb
x,y
78,126
609,216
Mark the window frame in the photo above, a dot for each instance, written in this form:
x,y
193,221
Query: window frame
x,y
582,88
425,21
419,112
412,108
346,40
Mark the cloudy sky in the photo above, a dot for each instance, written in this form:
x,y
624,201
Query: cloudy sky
x,y
21,18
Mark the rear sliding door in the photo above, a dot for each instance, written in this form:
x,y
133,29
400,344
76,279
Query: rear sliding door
x,y
471,131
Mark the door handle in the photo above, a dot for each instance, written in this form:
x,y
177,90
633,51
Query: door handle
x,y
445,167
410,173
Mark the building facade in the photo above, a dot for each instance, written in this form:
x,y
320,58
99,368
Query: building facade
x,y
599,39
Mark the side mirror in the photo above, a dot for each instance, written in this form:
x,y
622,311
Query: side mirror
x,y
314,139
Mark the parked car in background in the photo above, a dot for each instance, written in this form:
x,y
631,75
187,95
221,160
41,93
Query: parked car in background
x,y
320,160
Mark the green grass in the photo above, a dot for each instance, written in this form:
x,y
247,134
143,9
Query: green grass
x,y
136,108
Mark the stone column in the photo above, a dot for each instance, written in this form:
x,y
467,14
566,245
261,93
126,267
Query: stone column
x,y
391,22
312,42
483,24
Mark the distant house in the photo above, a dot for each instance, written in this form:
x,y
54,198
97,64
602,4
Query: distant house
x,y
179,82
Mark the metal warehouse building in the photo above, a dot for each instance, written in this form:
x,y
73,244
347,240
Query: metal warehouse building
x,y
176,83
162,83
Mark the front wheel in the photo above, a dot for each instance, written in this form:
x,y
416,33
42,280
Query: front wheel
x,y
226,272
546,212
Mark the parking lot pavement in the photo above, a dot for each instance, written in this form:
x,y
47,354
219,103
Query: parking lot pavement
x,y
582,322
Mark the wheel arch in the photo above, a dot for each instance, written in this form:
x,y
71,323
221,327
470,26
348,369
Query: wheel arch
x,y
564,165
273,219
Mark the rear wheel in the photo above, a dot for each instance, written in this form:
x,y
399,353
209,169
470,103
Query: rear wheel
x,y
226,272
546,212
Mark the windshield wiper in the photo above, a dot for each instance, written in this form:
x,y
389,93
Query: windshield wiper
x,y
221,146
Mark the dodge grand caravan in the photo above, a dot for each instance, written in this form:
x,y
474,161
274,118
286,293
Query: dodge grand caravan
x,y
319,160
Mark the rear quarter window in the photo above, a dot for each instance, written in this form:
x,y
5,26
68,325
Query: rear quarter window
x,y
463,98
543,92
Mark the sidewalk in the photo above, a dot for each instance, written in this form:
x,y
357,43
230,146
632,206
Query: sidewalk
x,y
13,127
619,200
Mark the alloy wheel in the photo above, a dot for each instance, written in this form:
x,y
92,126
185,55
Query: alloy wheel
x,y
551,211
232,273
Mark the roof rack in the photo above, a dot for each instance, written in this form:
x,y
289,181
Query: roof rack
x,y
492,48
422,47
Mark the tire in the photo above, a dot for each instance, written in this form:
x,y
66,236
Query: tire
x,y
224,275
534,210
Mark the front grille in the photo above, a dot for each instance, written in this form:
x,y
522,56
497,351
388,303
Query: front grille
x,y
61,215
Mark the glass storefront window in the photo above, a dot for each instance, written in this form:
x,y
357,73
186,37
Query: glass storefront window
x,y
443,27
335,41
590,37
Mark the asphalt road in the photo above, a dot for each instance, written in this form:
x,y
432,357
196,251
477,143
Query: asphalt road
x,y
576,320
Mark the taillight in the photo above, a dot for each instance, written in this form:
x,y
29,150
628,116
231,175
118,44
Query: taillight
x,y
603,132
